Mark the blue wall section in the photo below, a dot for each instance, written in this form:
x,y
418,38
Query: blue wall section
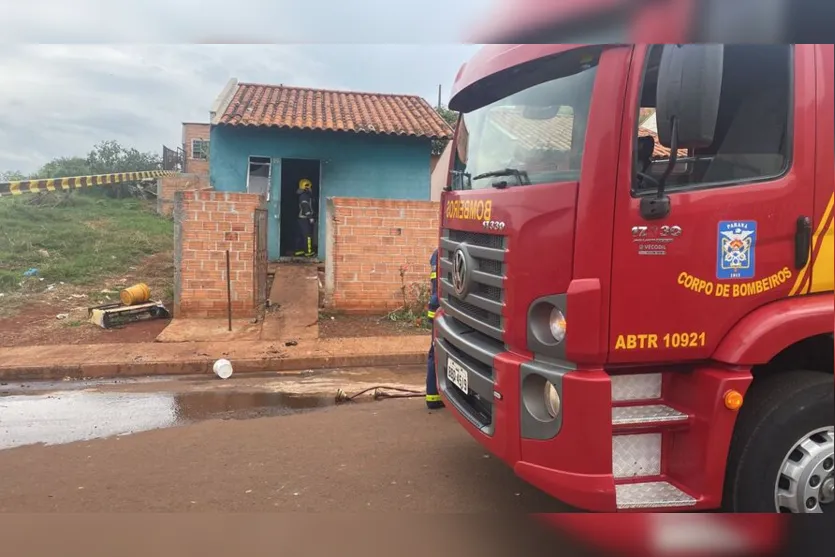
x,y
353,165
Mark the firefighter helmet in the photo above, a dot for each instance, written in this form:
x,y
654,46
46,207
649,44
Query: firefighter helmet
x,y
305,184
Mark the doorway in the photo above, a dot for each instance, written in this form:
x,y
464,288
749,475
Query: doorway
x,y
292,171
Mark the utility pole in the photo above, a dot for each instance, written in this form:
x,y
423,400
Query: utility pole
x,y
439,96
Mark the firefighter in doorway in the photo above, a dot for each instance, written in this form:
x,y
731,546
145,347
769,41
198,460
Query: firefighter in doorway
x,y
307,219
433,399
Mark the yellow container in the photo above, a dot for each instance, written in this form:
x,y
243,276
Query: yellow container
x,y
136,294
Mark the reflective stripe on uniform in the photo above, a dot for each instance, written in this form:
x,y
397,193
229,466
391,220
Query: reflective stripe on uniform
x,y
433,276
430,314
433,398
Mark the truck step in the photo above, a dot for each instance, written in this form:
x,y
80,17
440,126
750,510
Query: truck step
x,y
655,414
651,495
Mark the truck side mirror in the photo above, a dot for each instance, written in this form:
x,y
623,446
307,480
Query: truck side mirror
x,y
687,96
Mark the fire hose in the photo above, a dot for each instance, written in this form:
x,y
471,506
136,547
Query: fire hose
x,y
379,393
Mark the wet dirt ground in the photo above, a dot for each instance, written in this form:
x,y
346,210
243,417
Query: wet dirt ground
x,y
354,326
31,318
248,444
67,411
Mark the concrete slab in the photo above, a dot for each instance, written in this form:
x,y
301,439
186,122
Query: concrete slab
x,y
207,330
294,300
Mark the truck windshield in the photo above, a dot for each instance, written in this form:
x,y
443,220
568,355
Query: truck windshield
x,y
533,136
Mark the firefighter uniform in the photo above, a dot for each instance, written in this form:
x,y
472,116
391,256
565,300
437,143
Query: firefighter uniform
x,y
433,399
304,241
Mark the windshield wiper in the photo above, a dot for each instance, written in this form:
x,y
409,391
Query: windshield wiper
x,y
521,176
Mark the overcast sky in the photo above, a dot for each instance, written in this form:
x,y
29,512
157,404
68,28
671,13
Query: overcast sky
x,y
60,99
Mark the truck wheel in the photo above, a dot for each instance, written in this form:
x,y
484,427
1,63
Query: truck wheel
x,y
781,454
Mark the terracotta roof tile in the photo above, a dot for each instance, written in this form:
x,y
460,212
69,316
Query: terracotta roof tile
x,y
555,133
318,109
660,152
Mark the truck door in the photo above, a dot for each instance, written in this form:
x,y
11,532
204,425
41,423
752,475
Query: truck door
x,y
728,244
818,275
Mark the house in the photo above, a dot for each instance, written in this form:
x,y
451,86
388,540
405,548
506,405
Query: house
x,y
266,138
196,148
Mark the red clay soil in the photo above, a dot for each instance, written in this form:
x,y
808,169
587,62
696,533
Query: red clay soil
x,y
37,324
362,326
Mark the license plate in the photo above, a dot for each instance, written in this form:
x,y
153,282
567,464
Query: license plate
x,y
457,375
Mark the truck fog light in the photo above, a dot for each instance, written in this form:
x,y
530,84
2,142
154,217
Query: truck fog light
x,y
552,400
557,324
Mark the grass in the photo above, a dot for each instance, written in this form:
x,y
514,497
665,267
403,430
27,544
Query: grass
x,y
79,242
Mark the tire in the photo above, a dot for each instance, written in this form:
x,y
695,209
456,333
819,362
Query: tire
x,y
778,411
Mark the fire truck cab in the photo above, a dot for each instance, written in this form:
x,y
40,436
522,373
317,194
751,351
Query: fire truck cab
x,y
636,272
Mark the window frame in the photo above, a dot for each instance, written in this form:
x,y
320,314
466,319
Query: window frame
x,y
671,190
194,151
269,165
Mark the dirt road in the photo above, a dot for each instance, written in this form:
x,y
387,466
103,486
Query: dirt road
x,y
391,455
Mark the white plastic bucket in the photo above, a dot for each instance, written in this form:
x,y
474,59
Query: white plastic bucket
x,y
223,368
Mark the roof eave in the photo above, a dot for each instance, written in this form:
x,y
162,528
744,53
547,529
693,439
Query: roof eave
x,y
223,122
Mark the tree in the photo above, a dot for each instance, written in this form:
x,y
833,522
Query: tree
x,y
451,118
63,167
106,157
110,156
12,176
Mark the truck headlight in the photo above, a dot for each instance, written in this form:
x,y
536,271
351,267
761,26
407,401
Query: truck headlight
x,y
552,400
556,324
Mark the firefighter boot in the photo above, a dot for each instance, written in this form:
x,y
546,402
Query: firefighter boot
x,y
301,230
433,399
309,252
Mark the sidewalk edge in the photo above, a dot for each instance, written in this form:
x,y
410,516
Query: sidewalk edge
x,y
198,366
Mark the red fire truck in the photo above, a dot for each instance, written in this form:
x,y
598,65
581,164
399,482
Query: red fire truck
x,y
636,272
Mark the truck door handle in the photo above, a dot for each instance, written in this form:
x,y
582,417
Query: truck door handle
x,y
802,241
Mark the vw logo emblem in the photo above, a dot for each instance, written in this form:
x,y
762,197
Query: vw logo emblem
x,y
459,272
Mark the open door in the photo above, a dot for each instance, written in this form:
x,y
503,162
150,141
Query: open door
x,y
292,172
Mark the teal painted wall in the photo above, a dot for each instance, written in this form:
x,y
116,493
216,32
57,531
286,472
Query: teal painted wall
x,y
353,165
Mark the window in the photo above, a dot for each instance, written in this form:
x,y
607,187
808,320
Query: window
x,y
200,149
258,177
530,136
752,142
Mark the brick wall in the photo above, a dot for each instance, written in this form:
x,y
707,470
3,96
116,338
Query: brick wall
x,y
207,224
195,131
168,186
369,240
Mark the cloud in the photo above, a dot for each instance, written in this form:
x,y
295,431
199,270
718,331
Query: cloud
x,y
61,99
273,21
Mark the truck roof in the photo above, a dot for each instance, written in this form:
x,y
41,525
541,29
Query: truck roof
x,y
519,16
494,58
601,21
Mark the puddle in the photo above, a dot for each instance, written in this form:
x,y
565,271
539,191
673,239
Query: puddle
x,y
77,416
24,387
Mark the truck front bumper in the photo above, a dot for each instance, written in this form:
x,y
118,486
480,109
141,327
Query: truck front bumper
x,y
574,464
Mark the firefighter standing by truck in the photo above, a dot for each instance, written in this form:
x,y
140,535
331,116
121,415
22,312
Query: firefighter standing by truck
x,y
433,399
304,242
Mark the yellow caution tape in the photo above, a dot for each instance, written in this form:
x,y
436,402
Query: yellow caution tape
x,y
54,184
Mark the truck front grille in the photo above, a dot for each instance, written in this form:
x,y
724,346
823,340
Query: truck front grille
x,y
481,308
